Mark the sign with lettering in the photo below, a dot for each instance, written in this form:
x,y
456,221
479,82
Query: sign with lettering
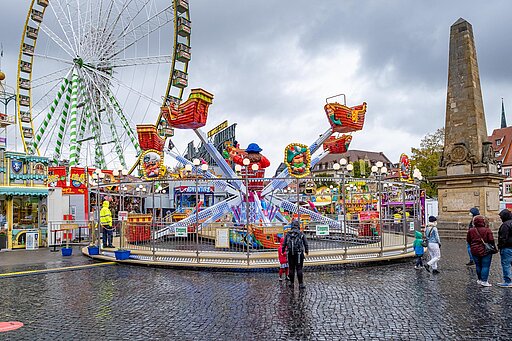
x,y
322,230
218,128
181,231
273,230
222,238
122,215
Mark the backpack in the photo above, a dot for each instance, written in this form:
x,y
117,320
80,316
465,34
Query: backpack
x,y
295,243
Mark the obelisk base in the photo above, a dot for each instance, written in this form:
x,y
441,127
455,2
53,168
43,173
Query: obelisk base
x,y
457,194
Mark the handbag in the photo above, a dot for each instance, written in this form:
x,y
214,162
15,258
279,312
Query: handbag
x,y
424,242
489,248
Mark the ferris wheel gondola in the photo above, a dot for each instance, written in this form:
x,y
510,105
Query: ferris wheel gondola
x,y
84,73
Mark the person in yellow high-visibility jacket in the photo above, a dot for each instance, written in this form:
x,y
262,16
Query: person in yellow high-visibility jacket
x,y
106,224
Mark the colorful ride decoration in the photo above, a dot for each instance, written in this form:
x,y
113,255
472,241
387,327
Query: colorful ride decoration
x,y
368,224
344,119
310,188
404,167
138,227
338,144
192,113
268,237
153,164
149,137
297,159
231,150
253,153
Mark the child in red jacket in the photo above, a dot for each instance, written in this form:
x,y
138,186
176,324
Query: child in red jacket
x,y
283,260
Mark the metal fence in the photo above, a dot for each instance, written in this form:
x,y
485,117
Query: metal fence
x,y
70,232
361,215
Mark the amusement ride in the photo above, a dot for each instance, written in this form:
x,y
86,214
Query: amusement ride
x,y
88,80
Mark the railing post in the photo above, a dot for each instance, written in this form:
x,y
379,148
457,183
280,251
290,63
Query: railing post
x,y
153,230
404,217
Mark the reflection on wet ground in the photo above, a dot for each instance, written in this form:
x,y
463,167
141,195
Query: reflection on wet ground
x,y
388,301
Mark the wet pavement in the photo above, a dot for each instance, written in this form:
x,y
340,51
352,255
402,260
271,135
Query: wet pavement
x,y
388,301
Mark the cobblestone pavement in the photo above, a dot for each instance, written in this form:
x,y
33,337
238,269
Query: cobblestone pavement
x,y
389,301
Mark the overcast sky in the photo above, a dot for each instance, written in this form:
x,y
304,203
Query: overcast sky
x,y
271,64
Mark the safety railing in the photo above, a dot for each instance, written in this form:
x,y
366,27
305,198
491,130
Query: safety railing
x,y
69,232
228,230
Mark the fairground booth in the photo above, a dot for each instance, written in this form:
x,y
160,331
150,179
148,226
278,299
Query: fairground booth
x,y
23,200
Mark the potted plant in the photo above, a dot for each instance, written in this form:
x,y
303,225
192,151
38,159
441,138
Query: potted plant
x,y
122,254
93,250
66,250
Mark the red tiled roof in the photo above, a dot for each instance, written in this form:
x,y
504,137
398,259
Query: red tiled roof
x,y
504,135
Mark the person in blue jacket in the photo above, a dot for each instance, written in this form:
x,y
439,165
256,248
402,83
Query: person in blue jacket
x,y
419,250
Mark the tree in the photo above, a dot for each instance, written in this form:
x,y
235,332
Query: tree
x,y
357,169
427,158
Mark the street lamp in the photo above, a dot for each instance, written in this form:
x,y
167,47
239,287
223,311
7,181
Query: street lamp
x,y
238,168
418,177
98,177
344,168
379,171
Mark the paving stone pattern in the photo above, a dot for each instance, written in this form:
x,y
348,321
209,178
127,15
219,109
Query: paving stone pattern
x,y
389,301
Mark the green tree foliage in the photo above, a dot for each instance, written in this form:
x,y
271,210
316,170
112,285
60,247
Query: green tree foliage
x,y
427,158
324,181
357,170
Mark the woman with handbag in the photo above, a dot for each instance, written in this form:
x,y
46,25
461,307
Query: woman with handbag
x,y
482,246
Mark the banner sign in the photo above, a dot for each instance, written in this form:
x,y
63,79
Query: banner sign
x,y
218,128
57,176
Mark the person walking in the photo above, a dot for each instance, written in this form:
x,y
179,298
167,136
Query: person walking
x,y
473,212
479,234
296,245
283,261
106,224
434,245
505,247
419,250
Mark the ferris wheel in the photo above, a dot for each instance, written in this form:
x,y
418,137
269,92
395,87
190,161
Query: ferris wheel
x,y
99,68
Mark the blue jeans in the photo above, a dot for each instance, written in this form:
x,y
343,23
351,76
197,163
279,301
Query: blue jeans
x,y
419,260
506,259
469,253
483,265
107,236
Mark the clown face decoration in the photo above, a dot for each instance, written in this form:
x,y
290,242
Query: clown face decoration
x,y
298,160
152,164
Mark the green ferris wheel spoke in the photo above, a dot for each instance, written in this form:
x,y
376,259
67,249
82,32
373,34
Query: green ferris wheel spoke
x,y
126,125
62,127
73,156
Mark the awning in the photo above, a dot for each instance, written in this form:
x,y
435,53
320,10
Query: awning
x,y
12,190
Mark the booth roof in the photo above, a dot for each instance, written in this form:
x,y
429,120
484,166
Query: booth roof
x,y
23,191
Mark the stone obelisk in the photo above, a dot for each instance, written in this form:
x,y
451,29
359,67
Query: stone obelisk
x,y
467,176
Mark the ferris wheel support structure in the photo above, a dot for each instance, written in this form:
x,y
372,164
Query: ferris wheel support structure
x,y
89,71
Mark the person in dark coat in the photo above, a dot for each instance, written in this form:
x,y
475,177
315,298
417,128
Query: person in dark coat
x,y
505,247
473,213
295,244
476,237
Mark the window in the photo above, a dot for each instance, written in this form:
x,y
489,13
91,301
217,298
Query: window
x,y
507,172
498,142
496,154
507,188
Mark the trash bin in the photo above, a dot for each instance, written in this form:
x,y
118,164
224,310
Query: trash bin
x,y
3,241
32,242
